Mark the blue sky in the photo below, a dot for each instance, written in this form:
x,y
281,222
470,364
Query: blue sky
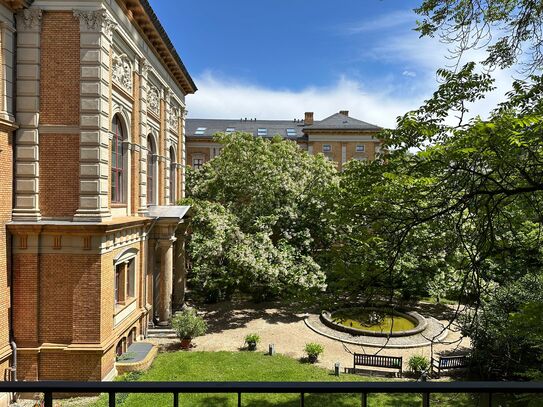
x,y
276,58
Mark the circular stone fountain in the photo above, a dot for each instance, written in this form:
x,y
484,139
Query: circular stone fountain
x,y
375,321
378,326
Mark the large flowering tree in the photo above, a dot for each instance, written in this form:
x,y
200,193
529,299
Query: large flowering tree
x,y
261,218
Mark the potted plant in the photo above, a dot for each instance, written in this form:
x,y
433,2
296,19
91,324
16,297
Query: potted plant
x,y
252,340
313,351
418,364
188,325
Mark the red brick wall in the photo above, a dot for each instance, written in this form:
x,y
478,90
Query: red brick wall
x,y
59,175
69,298
6,165
60,68
25,298
59,105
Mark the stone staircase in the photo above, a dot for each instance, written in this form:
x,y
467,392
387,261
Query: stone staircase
x,y
161,333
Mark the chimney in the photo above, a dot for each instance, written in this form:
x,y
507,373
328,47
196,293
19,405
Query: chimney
x,y
308,118
344,112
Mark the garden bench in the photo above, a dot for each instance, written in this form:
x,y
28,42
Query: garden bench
x,y
449,362
390,362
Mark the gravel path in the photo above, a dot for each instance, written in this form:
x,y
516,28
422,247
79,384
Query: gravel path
x,y
284,327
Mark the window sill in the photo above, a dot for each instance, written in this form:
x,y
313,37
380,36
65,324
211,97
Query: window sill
x,y
119,205
120,306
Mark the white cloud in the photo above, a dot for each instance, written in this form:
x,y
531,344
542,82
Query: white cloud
x,y
408,64
379,104
381,23
225,98
409,74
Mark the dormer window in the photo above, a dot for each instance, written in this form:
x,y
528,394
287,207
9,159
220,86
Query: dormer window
x,y
262,132
200,131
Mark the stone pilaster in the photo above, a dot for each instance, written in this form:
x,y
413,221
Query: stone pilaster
x,y
180,273
167,144
96,34
144,131
161,152
27,110
182,154
166,281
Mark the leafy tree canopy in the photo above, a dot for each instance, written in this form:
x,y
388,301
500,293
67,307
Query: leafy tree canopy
x,y
261,217
511,30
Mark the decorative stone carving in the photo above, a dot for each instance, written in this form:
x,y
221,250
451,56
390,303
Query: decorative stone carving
x,y
145,67
31,18
122,72
96,20
173,117
153,99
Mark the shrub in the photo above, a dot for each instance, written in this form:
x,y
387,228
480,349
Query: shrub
x,y
252,338
313,350
418,363
188,324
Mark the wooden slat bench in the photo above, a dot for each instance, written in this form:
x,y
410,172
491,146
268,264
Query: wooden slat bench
x,y
449,362
390,362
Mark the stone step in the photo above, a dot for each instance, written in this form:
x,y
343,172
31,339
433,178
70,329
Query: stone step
x,y
161,333
161,330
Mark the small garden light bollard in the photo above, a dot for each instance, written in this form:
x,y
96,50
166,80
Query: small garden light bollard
x,y
271,350
337,366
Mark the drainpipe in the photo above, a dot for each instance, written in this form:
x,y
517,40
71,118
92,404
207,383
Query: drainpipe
x,y
13,188
14,363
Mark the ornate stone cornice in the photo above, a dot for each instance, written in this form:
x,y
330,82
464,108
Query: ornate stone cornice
x,y
31,18
96,20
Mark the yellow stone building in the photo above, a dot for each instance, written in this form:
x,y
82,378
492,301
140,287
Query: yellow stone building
x,y
339,137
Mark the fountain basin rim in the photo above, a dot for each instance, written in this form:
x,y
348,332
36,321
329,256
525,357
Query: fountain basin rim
x,y
419,321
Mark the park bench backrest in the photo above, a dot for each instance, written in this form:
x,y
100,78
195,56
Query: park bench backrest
x,y
449,362
378,361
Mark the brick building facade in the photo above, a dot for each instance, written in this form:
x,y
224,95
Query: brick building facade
x,y
339,137
92,126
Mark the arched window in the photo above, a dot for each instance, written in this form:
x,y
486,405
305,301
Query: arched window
x,y
151,171
117,161
172,175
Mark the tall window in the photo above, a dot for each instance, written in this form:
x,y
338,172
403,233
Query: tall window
x,y
119,283
117,161
151,175
125,281
172,175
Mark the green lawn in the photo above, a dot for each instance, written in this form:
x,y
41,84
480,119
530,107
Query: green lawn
x,y
256,366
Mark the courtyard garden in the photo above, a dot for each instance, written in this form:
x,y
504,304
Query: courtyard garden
x,y
257,366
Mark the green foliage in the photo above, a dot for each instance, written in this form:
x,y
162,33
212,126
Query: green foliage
x,y
188,324
505,28
252,338
418,364
507,335
126,356
454,209
313,349
260,219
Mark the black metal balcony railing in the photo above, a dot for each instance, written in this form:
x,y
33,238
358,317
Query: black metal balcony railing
x,y
301,388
